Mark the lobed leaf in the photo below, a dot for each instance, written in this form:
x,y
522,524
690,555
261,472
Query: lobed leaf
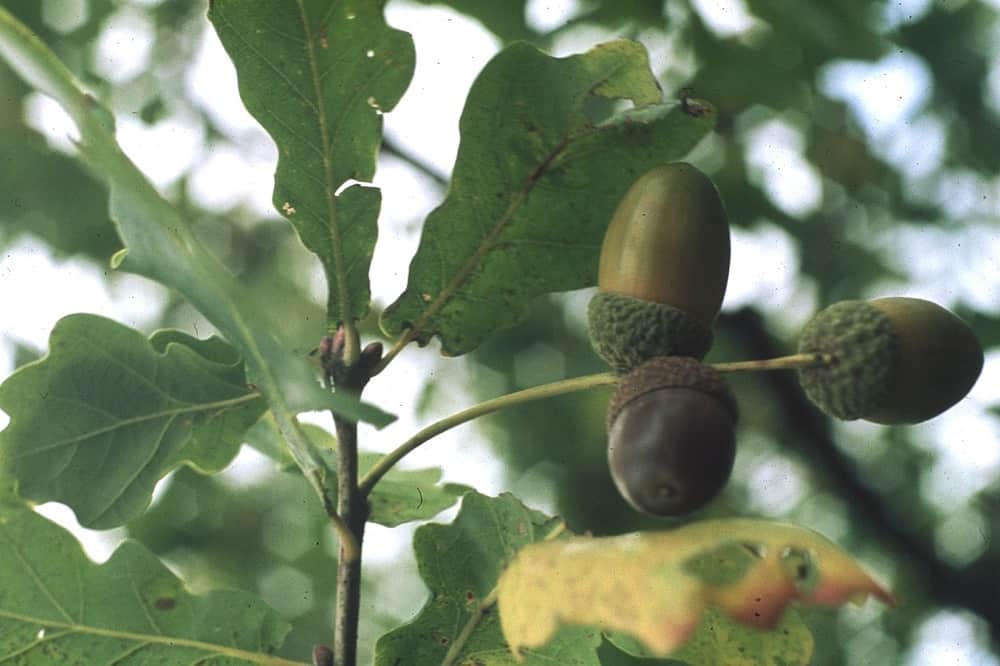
x,y
318,75
58,607
663,582
106,414
160,245
461,564
534,186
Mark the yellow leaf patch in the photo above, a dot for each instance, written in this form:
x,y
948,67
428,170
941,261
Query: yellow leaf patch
x,y
655,586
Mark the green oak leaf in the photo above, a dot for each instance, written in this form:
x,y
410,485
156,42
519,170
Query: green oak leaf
x,y
160,244
107,413
461,564
58,607
318,75
401,496
665,582
534,186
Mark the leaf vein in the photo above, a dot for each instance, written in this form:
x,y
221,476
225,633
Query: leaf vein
x,y
33,574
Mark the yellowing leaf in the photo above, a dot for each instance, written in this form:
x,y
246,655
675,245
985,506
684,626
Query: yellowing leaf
x,y
720,640
655,586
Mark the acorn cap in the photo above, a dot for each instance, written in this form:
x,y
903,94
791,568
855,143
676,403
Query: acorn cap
x,y
894,360
670,372
859,340
627,331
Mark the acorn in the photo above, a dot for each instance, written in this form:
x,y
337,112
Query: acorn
x,y
892,360
671,441
663,269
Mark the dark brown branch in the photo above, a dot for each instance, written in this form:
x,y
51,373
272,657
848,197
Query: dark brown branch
x,y
352,507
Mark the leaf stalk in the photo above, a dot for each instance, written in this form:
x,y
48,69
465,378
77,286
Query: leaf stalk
x,y
561,387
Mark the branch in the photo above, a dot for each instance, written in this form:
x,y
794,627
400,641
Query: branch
x,y
527,395
390,147
351,507
389,460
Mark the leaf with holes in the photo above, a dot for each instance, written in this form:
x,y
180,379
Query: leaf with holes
x,y
461,564
106,414
318,74
59,607
751,570
534,185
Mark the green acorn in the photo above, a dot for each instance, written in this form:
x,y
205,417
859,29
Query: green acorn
x,y
893,360
671,441
663,269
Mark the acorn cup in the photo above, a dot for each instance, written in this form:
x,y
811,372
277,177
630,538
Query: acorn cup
x,y
663,269
893,360
671,441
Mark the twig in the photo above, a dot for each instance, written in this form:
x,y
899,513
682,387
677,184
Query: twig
x,y
793,362
351,512
527,395
390,147
348,544
351,507
550,390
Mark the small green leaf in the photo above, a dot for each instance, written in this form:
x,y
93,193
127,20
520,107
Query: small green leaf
x,y
719,640
663,582
405,495
402,496
461,564
318,75
534,186
106,414
57,607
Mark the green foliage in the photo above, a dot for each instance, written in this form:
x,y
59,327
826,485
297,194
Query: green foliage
x,y
720,640
461,564
402,496
318,75
546,152
34,209
535,177
106,414
58,607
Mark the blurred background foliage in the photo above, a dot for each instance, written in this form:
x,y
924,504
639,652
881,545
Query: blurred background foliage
x,y
837,187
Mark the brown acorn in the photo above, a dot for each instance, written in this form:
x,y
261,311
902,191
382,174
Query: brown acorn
x,y
663,269
893,360
671,441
